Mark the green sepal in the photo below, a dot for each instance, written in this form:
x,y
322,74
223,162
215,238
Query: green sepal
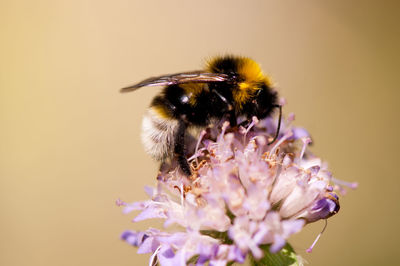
x,y
193,260
285,257
222,236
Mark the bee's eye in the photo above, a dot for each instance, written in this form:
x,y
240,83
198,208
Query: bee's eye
x,y
259,92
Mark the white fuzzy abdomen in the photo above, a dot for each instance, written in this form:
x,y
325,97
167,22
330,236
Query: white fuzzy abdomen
x,y
158,135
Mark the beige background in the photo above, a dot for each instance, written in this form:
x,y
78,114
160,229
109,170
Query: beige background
x,y
70,145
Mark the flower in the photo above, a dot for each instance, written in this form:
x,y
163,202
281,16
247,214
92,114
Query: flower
x,y
244,198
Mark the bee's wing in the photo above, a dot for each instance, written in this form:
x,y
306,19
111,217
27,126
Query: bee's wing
x,y
179,78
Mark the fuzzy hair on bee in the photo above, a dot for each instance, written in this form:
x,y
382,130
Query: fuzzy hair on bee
x,y
229,87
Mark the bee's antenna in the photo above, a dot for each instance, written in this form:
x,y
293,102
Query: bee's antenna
x,y
279,124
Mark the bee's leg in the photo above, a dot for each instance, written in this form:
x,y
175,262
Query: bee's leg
x,y
232,119
230,109
279,124
179,147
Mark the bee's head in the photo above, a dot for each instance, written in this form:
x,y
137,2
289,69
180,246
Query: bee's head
x,y
251,90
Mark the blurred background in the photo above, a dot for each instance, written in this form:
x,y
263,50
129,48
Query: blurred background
x,y
70,142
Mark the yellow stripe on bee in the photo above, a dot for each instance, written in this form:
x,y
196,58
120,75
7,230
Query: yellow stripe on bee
x,y
251,71
242,94
159,111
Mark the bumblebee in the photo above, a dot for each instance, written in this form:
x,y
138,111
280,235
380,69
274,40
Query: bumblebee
x,y
229,87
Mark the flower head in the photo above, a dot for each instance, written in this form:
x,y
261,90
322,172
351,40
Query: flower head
x,y
245,197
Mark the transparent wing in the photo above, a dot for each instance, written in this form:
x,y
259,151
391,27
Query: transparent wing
x,y
179,78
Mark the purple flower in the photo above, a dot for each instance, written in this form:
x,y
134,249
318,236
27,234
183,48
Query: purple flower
x,y
243,196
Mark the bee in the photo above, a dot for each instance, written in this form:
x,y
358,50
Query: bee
x,y
229,87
